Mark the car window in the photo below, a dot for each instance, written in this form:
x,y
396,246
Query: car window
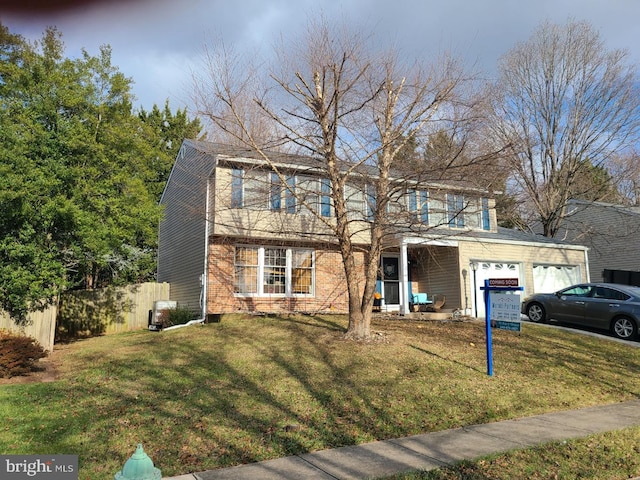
x,y
600,292
610,294
577,291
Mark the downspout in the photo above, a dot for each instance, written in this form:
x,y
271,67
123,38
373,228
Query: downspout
x,y
586,264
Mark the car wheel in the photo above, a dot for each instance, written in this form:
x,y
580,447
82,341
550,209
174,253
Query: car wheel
x,y
623,327
536,312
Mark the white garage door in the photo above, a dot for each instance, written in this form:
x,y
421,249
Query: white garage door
x,y
487,270
551,278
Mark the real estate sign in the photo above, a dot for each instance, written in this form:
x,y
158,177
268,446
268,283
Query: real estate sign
x,y
505,311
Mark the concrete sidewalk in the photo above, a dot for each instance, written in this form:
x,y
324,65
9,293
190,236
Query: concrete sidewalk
x,y
432,450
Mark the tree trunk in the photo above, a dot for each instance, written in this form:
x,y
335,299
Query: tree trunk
x,y
359,324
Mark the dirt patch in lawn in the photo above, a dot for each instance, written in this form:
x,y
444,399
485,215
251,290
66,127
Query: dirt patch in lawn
x,y
47,370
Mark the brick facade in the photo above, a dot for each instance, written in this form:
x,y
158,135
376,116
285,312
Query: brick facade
x,y
330,285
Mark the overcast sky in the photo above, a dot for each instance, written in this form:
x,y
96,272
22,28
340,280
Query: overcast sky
x,y
158,42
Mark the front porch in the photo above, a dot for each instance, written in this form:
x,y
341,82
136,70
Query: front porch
x,y
420,276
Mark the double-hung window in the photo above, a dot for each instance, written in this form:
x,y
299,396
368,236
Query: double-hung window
x,y
419,205
255,189
355,200
302,272
246,270
249,189
260,189
455,210
397,205
308,194
274,271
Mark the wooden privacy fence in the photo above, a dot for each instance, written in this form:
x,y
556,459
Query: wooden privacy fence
x,y
84,313
39,325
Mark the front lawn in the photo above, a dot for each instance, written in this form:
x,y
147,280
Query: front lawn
x,y
255,388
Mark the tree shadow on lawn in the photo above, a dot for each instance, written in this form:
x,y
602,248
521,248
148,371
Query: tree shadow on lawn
x,y
445,358
210,398
195,407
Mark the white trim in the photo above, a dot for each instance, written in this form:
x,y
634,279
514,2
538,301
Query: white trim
x,y
445,242
288,272
437,242
404,279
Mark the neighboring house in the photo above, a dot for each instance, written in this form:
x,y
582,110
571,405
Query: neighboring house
x,y
233,239
610,231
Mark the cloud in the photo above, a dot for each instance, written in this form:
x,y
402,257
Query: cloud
x,y
156,42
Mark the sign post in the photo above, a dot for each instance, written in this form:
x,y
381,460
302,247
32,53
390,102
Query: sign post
x,y
505,307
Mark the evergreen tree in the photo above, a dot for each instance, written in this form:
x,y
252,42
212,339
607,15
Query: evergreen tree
x,y
168,131
79,173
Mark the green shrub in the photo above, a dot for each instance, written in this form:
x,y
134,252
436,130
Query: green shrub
x,y
179,316
18,354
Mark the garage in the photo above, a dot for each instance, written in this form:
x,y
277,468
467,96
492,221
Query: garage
x,y
488,270
551,278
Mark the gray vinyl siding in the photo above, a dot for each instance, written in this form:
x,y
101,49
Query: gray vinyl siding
x,y
183,230
610,231
438,275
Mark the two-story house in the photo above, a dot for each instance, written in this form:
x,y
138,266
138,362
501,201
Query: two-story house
x,y
240,234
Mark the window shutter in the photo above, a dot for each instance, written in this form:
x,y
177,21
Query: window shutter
x,y
486,222
236,188
424,207
413,202
325,197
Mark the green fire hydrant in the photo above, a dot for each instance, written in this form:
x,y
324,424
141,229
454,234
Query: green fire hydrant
x,y
139,467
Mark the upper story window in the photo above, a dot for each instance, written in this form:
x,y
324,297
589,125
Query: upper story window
x,y
455,210
355,200
419,205
261,189
249,189
306,194
475,213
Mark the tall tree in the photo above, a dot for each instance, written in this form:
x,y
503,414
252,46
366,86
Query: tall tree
x,y
564,105
78,186
168,130
329,95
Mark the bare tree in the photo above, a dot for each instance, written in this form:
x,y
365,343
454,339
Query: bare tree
x,y
565,105
626,169
351,109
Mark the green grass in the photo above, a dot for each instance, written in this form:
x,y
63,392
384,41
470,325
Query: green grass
x,y
255,388
607,456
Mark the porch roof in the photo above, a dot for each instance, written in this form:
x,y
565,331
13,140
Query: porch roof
x,y
451,238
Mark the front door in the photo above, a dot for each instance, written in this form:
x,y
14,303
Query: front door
x,y
391,281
